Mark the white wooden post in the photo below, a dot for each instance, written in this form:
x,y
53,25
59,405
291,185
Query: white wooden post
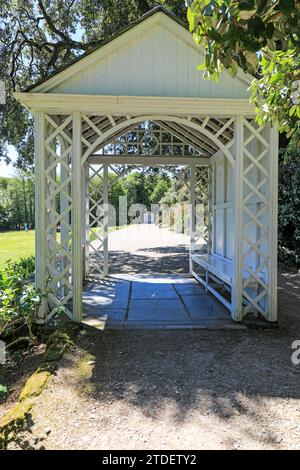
x,y
273,238
64,225
237,285
85,220
105,219
40,211
192,213
210,209
76,218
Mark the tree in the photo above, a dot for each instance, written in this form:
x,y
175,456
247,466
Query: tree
x,y
39,36
161,187
261,37
289,202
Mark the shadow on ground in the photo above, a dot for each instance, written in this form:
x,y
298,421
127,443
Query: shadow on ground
x,y
179,388
159,260
209,371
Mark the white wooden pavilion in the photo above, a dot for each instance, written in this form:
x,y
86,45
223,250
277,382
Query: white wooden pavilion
x,y
148,74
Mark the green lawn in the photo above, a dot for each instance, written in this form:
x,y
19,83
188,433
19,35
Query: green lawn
x,y
16,245
20,244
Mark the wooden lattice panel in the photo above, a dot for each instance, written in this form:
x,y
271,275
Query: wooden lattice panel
x,y
58,177
202,228
96,213
255,219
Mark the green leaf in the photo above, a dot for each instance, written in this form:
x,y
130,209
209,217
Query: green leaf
x,y
208,11
3,390
212,34
191,19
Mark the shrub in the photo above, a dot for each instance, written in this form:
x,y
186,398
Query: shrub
x,y
19,301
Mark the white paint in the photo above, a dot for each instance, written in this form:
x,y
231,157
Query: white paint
x,y
155,58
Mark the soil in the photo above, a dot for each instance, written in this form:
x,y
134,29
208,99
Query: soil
x,y
176,389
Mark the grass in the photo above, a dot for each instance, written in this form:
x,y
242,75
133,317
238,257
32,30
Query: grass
x,y
20,244
15,245
99,231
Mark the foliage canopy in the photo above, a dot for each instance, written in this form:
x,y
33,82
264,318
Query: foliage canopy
x,y
261,37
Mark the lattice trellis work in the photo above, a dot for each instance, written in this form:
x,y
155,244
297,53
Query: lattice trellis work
x,y
202,194
58,204
200,230
98,220
154,135
258,220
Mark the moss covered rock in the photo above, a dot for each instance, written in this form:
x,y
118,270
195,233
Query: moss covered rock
x,y
13,419
56,345
35,384
84,373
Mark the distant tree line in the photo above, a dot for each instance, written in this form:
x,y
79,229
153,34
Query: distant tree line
x,y
17,202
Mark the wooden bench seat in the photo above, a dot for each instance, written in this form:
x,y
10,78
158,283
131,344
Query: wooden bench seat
x,y
220,269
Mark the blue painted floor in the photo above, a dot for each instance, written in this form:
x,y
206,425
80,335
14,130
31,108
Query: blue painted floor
x,y
159,301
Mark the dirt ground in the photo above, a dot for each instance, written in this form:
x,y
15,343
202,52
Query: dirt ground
x,y
176,389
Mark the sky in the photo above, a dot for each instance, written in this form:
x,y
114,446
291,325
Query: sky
x,y
8,170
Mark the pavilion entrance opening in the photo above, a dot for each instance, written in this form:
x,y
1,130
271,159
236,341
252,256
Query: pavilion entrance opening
x,y
148,212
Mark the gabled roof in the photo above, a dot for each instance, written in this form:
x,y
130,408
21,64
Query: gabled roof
x,y
107,41
85,60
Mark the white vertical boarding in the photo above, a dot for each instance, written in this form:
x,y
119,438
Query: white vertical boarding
x,y
40,210
237,286
76,218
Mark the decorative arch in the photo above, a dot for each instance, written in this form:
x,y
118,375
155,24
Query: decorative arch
x,y
186,123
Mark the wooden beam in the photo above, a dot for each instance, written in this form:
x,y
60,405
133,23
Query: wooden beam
x,y
141,160
198,137
181,135
64,103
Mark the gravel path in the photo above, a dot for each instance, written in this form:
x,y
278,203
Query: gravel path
x,y
148,249
176,389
